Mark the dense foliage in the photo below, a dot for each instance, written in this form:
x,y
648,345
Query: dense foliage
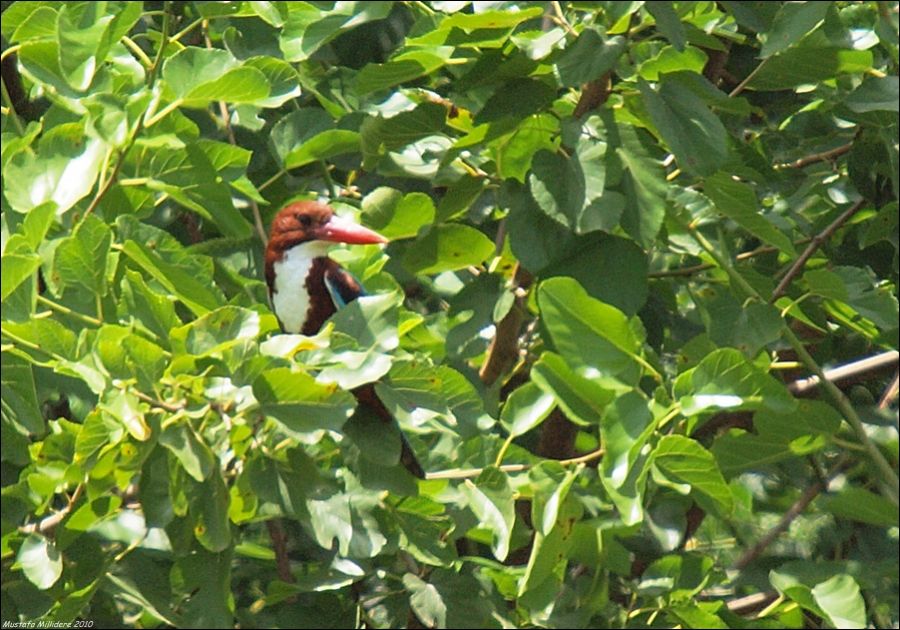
x,y
623,236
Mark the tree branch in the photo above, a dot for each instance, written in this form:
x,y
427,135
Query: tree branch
x,y
815,244
49,524
890,392
279,544
471,473
824,156
793,512
226,122
857,368
504,349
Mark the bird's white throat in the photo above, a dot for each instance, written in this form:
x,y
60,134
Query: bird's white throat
x,y
290,298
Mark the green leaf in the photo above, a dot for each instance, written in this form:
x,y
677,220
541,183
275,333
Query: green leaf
x,y
683,460
571,191
447,247
840,599
625,427
589,58
794,21
396,216
858,504
525,409
582,399
63,170
426,601
20,404
215,332
490,18
92,512
830,594
667,23
415,393
50,336
17,268
32,20
301,404
379,135
198,76
737,201
807,65
203,580
545,564
491,499
126,408
875,94
402,68
776,437
283,81
81,258
669,60
875,303
535,238
378,441
585,331
40,561
308,135
208,511
517,99
724,379
694,134
191,291
195,456
308,27
643,183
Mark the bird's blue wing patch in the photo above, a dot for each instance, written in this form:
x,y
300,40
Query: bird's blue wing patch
x,y
342,286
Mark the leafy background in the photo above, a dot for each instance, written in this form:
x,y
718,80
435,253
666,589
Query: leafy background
x,y
624,237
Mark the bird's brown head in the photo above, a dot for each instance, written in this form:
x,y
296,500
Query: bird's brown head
x,y
307,221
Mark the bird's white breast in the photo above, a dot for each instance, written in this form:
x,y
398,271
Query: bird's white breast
x,y
290,297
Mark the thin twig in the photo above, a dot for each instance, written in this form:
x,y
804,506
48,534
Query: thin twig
x,y
504,349
279,544
65,310
471,473
561,18
740,86
229,131
814,245
49,524
751,603
156,402
824,156
793,512
890,393
855,369
689,271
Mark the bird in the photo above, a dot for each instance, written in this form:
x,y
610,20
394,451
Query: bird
x,y
306,287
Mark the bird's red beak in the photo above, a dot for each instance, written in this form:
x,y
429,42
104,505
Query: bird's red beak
x,y
339,230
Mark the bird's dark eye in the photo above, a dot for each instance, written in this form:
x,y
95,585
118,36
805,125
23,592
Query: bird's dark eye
x,y
305,220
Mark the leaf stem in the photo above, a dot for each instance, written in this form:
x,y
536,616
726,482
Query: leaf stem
x,y
165,111
506,444
740,86
67,311
138,51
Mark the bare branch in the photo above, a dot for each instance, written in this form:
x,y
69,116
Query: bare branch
x,y
793,512
824,156
856,369
815,244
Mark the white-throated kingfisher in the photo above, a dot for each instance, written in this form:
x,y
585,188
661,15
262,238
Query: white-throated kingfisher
x,y
306,287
